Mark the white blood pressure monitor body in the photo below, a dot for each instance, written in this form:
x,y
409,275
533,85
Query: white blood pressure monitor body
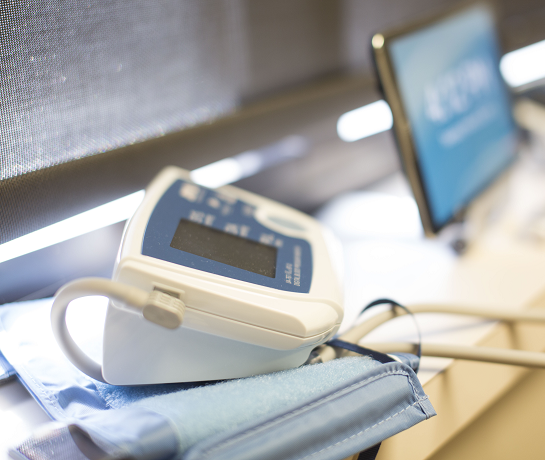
x,y
257,279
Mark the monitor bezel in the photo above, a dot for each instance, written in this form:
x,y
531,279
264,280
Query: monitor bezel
x,y
389,87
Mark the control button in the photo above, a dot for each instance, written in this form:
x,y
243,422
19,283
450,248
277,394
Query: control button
x,y
213,202
285,223
248,210
190,192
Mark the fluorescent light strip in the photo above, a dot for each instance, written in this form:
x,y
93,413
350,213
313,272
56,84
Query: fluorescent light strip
x,y
219,173
102,216
251,162
525,65
364,122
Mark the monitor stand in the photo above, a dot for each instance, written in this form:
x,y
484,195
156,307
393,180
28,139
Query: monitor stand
x,y
456,235
482,213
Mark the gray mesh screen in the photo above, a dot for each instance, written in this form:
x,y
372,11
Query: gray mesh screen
x,y
288,42
82,77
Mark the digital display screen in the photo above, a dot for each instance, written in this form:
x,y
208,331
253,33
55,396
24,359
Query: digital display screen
x,y
457,107
226,248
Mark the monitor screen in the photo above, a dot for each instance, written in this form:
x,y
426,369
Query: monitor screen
x,y
457,107
226,248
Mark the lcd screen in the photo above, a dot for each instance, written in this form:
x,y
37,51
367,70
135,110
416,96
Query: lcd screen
x,y
457,107
226,248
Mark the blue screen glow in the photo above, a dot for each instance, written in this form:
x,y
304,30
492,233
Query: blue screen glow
x,y
457,106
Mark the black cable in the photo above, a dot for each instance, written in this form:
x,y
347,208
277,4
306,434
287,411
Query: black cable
x,y
378,356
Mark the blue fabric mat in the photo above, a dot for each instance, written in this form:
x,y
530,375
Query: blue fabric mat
x,y
329,410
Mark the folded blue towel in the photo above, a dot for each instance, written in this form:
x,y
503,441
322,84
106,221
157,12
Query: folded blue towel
x,y
211,409
328,410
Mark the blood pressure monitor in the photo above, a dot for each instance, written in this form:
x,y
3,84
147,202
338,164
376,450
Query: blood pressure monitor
x,y
208,285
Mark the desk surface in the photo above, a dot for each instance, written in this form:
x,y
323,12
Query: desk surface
x,y
503,269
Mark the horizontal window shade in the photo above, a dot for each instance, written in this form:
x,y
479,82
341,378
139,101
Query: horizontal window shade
x,y
83,77
80,78
125,79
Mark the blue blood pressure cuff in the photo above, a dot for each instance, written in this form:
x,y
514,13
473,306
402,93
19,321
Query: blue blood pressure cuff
x,y
6,370
320,411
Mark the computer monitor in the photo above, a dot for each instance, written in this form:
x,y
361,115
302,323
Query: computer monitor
x,y
452,110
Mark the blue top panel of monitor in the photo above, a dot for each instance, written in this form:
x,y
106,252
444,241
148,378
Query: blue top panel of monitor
x,y
457,105
209,231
